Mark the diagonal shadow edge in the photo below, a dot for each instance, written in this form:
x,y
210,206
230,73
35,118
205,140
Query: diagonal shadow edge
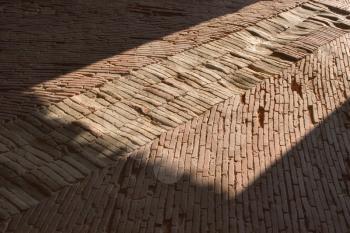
x,y
20,70
240,208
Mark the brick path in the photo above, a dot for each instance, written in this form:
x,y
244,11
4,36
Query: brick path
x,y
52,51
240,129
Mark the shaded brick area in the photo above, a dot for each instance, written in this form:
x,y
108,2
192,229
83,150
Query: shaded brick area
x,y
246,133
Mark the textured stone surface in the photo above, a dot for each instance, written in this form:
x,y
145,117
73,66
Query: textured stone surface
x,y
245,132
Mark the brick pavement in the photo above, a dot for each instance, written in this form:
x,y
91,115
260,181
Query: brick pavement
x,y
243,133
51,51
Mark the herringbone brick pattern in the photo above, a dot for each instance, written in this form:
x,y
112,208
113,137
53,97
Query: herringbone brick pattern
x,y
247,132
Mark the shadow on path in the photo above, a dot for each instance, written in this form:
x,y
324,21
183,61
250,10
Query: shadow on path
x,y
307,190
42,40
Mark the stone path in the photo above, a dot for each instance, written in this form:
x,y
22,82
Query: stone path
x,y
243,129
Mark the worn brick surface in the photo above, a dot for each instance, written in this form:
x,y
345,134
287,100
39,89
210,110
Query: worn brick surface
x,y
52,50
243,133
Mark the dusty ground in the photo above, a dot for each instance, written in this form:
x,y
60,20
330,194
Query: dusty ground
x,y
141,116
